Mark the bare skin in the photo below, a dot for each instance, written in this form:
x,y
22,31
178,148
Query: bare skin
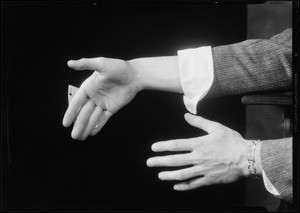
x,y
218,157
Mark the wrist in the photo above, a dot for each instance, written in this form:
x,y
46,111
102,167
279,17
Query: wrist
x,y
157,73
140,77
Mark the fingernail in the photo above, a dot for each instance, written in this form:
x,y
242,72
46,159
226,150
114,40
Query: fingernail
x,y
149,163
73,135
70,62
175,187
161,176
185,116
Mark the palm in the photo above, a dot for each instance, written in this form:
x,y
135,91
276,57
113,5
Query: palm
x,y
110,91
110,87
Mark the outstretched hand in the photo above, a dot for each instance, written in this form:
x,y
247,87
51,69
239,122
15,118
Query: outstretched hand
x,y
219,157
112,85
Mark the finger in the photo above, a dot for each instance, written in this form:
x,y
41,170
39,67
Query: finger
x,y
192,184
202,123
76,103
82,119
92,122
85,64
170,160
101,122
182,174
174,145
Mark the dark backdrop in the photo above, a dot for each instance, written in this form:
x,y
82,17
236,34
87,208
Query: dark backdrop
x,y
43,168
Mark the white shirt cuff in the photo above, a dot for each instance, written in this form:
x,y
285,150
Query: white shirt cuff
x,y
269,185
196,74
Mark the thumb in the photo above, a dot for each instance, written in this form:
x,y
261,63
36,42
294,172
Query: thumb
x,y
201,123
85,64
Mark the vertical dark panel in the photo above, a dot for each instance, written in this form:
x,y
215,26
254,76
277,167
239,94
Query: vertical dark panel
x,y
264,21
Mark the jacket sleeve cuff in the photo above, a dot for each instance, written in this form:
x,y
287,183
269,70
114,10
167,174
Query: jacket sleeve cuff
x,y
277,163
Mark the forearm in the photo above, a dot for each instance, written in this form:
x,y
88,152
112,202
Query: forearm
x,y
157,73
191,73
245,67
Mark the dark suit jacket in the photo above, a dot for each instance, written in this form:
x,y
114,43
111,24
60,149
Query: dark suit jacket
x,y
260,65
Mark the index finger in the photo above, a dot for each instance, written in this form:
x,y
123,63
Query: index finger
x,y
74,106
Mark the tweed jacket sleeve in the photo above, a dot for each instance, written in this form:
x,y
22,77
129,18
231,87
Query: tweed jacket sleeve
x,y
260,65
256,65
276,157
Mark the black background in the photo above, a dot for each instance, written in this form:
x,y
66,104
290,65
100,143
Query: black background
x,y
43,167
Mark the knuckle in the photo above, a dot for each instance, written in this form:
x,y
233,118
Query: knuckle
x,y
155,161
210,180
180,176
194,158
235,133
82,59
194,143
101,61
169,161
222,133
188,184
194,172
173,145
218,126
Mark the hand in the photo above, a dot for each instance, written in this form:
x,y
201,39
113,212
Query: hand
x,y
108,89
219,157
